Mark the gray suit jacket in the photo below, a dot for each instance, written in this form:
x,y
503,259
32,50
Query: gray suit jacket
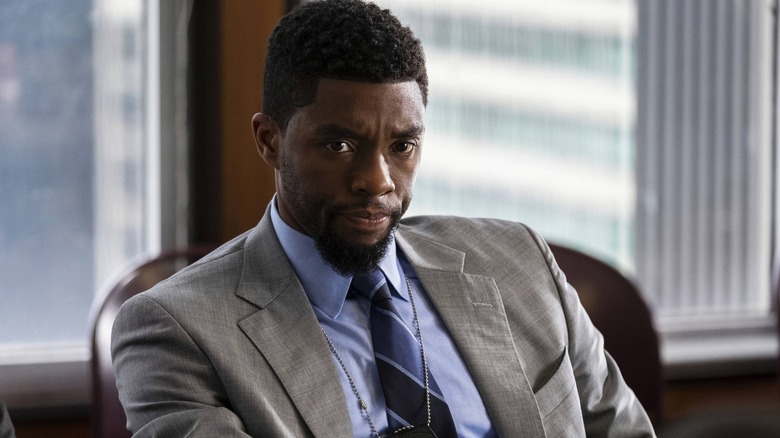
x,y
230,346
6,427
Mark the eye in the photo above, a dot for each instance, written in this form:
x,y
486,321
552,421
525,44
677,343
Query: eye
x,y
338,146
405,147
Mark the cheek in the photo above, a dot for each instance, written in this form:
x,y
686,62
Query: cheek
x,y
404,177
308,173
318,188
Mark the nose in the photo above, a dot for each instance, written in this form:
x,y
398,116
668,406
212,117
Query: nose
x,y
371,175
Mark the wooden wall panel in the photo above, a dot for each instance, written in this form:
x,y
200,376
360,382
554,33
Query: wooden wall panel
x,y
247,183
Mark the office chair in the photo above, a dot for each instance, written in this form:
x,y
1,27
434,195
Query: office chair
x,y
108,417
619,312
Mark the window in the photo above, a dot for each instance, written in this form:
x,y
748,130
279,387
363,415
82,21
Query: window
x,y
81,174
72,171
46,184
639,132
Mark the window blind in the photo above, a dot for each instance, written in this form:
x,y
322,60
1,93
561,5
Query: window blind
x,y
704,158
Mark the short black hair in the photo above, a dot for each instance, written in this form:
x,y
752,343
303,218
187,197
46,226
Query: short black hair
x,y
336,39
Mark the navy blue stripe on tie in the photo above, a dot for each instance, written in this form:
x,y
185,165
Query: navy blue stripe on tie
x,y
399,362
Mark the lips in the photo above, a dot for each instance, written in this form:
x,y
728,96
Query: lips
x,y
367,220
371,215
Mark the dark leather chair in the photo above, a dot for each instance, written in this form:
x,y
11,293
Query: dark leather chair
x,y
108,417
619,312
728,422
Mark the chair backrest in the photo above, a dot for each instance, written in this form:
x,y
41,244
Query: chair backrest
x,y
108,417
619,312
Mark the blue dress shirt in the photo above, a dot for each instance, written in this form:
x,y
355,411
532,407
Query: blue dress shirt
x,y
346,323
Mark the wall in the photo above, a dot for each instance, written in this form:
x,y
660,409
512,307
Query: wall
x,y
247,183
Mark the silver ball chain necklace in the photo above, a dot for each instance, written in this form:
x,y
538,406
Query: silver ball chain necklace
x,y
362,402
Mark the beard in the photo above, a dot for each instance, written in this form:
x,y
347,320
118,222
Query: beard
x,y
348,259
315,216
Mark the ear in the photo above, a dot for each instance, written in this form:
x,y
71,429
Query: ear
x,y
267,138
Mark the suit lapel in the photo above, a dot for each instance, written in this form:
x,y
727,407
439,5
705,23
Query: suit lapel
x,y
471,308
287,333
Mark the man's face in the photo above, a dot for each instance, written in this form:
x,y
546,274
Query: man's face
x,y
346,167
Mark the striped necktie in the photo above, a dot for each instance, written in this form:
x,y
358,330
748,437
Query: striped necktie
x,y
399,361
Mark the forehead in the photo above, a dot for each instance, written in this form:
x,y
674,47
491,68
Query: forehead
x,y
362,105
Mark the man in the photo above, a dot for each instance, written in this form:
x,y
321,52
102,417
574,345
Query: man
x,y
281,332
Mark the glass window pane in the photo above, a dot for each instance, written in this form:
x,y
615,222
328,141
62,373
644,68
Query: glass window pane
x,y
639,132
531,116
71,160
704,153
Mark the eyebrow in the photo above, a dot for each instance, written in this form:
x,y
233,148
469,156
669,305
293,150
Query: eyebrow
x,y
335,130
414,131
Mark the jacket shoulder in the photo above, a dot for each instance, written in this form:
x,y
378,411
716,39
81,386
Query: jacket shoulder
x,y
207,279
470,232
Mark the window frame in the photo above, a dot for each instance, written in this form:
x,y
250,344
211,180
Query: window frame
x,y
54,379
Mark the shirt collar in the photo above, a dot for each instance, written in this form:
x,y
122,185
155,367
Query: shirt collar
x,y
326,288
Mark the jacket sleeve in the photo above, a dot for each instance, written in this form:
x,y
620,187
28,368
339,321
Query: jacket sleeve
x,y
166,383
609,407
6,427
